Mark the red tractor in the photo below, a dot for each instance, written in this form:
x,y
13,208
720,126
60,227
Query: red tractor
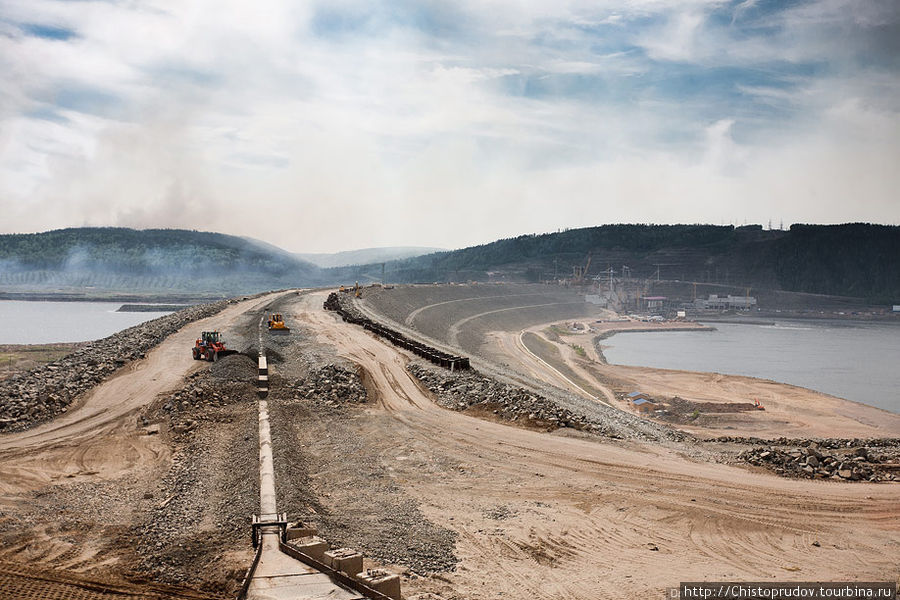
x,y
210,346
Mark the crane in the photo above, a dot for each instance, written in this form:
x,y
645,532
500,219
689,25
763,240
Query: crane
x,y
579,273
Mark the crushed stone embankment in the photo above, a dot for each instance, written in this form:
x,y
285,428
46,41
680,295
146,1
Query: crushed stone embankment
x,y
330,469
465,390
42,393
194,527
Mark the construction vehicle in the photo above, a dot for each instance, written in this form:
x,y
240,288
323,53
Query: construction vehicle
x,y
276,323
210,346
357,291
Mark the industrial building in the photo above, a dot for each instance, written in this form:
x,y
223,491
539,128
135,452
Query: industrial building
x,y
714,302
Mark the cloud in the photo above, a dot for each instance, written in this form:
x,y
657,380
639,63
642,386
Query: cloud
x,y
324,125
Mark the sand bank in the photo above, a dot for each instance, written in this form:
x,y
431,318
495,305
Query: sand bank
x,y
790,411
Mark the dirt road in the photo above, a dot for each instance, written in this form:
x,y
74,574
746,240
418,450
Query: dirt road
x,y
53,477
96,437
564,516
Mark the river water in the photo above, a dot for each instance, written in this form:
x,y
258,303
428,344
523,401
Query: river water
x,y
24,322
856,361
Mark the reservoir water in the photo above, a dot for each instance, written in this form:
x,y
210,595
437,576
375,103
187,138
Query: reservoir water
x,y
856,361
24,322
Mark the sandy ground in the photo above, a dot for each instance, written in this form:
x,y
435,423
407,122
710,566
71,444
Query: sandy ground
x,y
537,515
791,411
98,435
563,516
97,442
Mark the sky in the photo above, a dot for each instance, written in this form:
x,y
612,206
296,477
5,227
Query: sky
x,y
326,126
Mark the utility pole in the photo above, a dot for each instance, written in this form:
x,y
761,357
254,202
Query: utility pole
x,y
382,274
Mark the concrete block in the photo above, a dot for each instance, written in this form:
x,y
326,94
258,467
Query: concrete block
x,y
300,530
381,581
347,560
312,546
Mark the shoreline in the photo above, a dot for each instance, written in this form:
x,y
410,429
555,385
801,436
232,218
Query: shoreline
x,y
596,341
770,318
790,410
609,332
187,299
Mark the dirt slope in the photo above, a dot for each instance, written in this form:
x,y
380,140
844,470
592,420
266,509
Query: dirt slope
x,y
94,437
557,516
70,487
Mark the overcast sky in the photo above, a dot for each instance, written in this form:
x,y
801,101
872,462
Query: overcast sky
x,y
323,126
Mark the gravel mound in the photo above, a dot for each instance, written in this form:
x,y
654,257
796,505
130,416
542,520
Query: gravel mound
x,y
862,463
330,385
830,443
201,504
330,472
462,390
229,380
46,391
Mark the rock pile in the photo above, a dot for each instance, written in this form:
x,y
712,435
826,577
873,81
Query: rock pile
x,y
229,380
829,443
857,464
44,392
199,507
462,390
331,385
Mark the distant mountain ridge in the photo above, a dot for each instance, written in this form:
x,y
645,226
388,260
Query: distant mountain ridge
x,y
365,256
152,260
854,259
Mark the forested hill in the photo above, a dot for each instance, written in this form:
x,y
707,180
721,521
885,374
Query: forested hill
x,y
850,260
149,261
857,260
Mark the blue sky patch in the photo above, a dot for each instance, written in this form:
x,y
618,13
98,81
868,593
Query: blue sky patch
x,y
47,114
87,100
48,32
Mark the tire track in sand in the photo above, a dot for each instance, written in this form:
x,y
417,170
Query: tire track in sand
x,y
598,510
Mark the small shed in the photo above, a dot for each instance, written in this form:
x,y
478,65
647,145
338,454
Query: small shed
x,y
637,395
644,405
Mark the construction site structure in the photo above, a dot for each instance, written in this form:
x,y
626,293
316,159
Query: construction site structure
x,y
579,273
357,291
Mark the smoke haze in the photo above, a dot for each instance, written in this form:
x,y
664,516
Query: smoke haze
x,y
348,124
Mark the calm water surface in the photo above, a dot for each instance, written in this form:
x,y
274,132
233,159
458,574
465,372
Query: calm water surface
x,y
855,361
47,322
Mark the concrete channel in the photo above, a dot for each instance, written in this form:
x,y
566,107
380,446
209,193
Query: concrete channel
x,y
305,570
